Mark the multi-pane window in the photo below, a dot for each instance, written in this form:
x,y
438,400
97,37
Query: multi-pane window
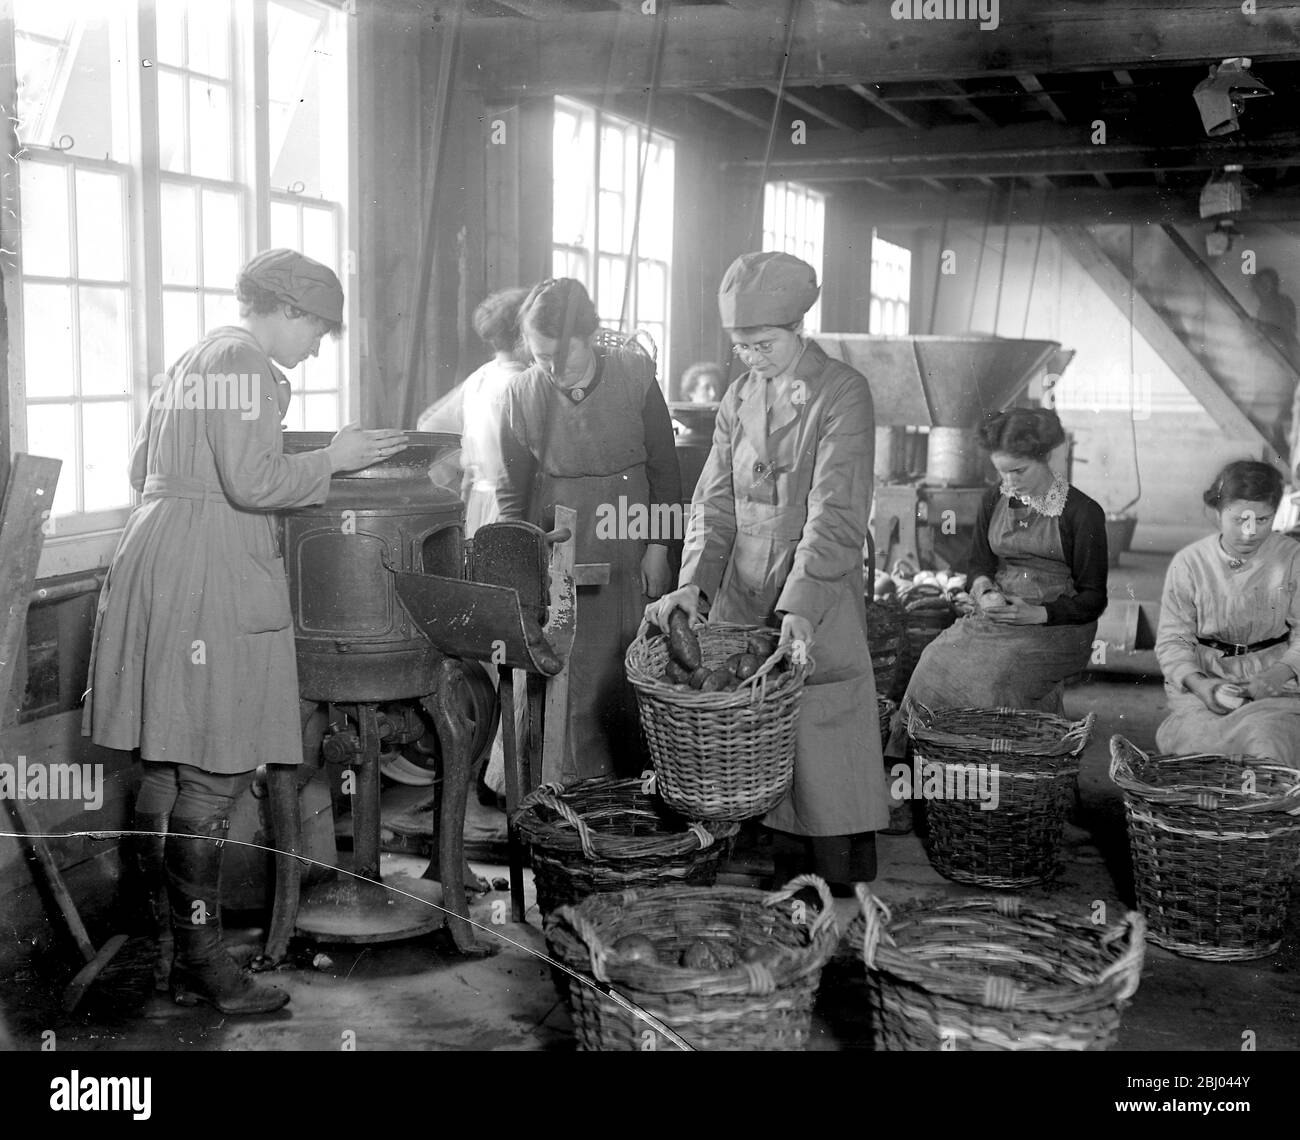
x,y
599,161
794,221
141,192
891,287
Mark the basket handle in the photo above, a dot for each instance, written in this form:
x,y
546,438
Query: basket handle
x,y
543,798
587,932
1129,965
1122,754
825,917
876,916
1080,733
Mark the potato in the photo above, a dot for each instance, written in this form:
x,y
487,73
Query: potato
x,y
744,665
676,674
635,948
718,680
761,644
682,642
991,598
699,955
698,677
1229,696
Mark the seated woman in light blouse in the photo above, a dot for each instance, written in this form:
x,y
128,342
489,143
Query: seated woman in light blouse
x,y
1229,634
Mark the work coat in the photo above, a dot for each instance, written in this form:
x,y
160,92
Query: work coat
x,y
778,524
193,655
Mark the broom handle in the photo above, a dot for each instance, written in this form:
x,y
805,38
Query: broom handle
x,y
53,879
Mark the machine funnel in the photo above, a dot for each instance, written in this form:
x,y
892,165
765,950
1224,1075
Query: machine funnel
x,y
940,381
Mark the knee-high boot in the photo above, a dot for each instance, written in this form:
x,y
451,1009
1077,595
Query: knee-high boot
x,y
150,907
203,970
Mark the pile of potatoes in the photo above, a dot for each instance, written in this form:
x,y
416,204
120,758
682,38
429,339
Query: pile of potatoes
x,y
685,668
711,954
903,582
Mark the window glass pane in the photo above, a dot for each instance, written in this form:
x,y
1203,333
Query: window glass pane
x,y
106,445
609,299
209,129
52,431
47,340
105,367
219,309
650,287
171,121
100,226
611,158
322,374
293,417
38,69
284,225
210,37
295,110
611,223
874,316
320,411
43,188
222,246
318,239
179,235
180,323
43,18
171,32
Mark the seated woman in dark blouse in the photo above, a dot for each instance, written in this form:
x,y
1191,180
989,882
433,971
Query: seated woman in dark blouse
x,y
1038,569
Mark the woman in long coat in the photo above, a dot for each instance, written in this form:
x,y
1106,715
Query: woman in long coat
x,y
778,524
193,656
587,427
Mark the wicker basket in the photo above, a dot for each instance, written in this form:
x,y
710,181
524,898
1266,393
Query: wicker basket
x,y
606,834
1031,760
885,710
720,756
759,1005
1215,842
886,627
927,612
995,974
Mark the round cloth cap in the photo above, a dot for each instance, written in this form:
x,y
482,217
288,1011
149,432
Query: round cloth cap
x,y
299,281
766,289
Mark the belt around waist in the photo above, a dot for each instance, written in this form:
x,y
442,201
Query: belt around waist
x,y
1229,649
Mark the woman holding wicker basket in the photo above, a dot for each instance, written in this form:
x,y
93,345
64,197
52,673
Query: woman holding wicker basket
x,y
777,527
1229,634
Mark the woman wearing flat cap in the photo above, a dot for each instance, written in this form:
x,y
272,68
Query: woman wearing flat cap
x,y
778,524
193,657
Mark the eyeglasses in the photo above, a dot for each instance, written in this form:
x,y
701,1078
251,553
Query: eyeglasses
x,y
762,348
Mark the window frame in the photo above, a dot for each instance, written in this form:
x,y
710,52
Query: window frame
x,y
782,231
84,540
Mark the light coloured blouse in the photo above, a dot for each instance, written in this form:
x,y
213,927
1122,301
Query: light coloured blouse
x,y
1205,597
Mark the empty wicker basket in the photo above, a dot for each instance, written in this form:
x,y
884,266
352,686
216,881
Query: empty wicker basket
x,y
1024,763
1215,843
606,834
720,756
886,628
763,1002
995,974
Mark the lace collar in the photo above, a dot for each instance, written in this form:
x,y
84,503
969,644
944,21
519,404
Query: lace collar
x,y
1050,504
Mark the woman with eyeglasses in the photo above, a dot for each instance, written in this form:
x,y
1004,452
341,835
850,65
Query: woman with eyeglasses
x,y
778,524
587,427
1229,635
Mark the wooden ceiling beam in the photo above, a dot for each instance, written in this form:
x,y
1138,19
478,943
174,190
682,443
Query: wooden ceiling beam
x,y
731,109
1030,83
717,48
964,101
1052,205
880,104
808,108
1022,150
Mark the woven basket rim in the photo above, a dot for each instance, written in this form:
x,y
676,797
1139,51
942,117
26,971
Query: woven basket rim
x,y
754,691
788,967
1074,737
1115,981
561,835
1124,755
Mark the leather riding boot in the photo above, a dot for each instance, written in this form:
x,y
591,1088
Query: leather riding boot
x,y
203,970
150,907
